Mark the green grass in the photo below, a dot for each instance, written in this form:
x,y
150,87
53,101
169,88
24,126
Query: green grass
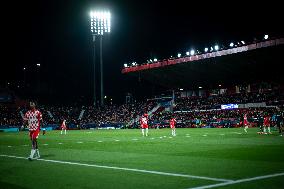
x,y
222,153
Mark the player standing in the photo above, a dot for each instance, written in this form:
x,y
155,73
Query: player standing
x,y
266,124
245,123
279,122
144,124
63,126
32,118
173,126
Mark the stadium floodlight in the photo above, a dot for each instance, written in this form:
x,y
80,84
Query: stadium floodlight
x,y
220,85
187,53
38,65
206,49
125,65
231,44
200,87
24,68
100,24
133,63
192,52
216,47
181,89
179,55
243,42
265,37
105,96
155,59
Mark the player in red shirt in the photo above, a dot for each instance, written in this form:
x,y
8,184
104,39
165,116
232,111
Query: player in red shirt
x,y
173,126
63,126
144,124
245,123
266,124
32,119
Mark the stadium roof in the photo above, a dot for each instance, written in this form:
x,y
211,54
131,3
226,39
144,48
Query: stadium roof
x,y
253,62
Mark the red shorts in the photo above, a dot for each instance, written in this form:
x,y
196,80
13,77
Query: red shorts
x,y
64,128
34,134
144,126
173,126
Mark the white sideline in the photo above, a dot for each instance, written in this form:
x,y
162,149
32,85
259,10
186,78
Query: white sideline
x,y
125,169
240,181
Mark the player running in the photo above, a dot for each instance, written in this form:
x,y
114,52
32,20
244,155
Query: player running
x,y
32,119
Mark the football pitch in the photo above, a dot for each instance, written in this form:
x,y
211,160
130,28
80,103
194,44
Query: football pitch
x,y
195,158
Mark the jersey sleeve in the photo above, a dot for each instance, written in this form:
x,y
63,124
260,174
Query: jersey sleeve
x,y
39,116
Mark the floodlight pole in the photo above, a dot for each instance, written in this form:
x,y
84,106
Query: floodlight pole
x,y
101,67
94,41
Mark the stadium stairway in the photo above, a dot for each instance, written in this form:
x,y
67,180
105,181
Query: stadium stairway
x,y
150,113
81,114
50,115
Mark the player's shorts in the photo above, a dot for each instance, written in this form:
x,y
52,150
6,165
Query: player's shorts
x,y
34,134
63,128
144,126
173,126
266,125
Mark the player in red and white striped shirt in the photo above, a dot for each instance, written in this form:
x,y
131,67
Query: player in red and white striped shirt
x,y
63,126
144,124
245,122
32,118
173,122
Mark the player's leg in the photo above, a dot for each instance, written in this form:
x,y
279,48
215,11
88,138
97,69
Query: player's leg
x,y
61,131
246,127
65,131
264,129
146,131
35,136
174,131
32,151
143,132
268,128
36,149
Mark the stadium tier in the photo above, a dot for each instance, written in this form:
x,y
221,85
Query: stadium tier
x,y
256,61
192,111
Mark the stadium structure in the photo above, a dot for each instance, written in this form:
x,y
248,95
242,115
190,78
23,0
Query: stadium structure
x,y
252,62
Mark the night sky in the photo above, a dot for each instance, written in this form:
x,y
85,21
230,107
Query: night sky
x,y
57,35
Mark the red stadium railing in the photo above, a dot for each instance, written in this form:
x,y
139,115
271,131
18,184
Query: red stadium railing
x,y
168,62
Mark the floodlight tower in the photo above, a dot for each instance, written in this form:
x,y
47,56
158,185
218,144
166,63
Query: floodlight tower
x,y
100,24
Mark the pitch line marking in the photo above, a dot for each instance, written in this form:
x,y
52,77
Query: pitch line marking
x,y
240,181
125,169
